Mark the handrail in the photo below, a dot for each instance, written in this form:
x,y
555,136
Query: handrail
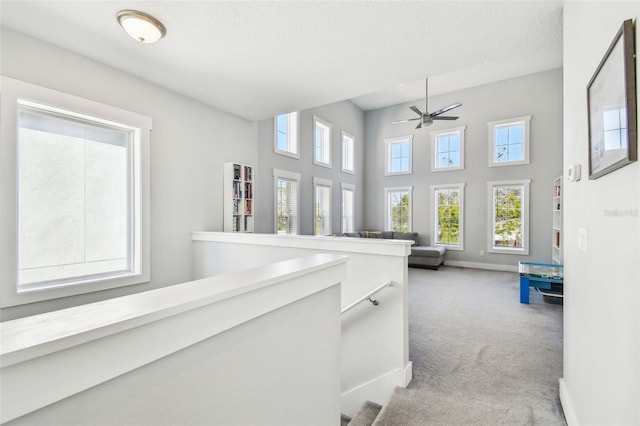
x,y
367,297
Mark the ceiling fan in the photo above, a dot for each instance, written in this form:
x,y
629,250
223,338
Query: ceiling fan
x,y
426,118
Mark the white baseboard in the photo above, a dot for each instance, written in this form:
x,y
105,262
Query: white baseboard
x,y
478,265
377,390
408,374
567,404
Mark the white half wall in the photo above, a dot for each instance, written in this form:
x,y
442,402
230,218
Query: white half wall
x,y
221,350
601,384
375,339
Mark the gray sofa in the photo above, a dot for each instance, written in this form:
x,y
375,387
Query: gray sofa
x,y
421,256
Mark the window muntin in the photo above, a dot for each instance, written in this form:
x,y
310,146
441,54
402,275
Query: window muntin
x,y
286,202
348,149
399,155
448,216
321,142
78,198
398,209
615,129
508,216
286,140
509,142
348,207
322,206
447,149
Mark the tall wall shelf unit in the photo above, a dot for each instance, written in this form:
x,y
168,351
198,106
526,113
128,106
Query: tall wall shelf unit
x,y
238,198
556,249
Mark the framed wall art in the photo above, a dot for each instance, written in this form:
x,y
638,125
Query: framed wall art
x,y
611,101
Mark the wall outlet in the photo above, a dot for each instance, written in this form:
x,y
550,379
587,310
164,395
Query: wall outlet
x,y
582,239
481,252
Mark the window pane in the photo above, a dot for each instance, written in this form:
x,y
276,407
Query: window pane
x,y
322,210
514,152
286,206
347,210
515,134
399,210
508,217
502,136
454,142
74,188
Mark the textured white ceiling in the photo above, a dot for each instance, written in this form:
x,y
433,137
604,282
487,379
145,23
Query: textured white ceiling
x,y
259,58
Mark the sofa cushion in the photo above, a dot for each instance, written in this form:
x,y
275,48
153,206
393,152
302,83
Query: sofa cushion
x,y
413,236
427,251
351,234
387,235
373,234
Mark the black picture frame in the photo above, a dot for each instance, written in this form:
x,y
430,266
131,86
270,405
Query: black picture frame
x,y
612,107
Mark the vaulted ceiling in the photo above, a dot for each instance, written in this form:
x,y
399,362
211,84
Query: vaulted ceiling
x,y
255,59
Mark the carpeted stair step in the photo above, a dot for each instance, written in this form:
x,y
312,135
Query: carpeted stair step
x,y
367,414
344,420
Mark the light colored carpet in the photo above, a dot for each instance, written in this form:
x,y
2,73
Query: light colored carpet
x,y
479,356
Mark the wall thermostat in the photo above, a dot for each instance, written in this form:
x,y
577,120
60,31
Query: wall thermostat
x,y
573,174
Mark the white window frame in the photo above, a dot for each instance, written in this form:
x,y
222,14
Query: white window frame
x,y
389,143
347,227
326,144
387,206
434,148
348,153
10,294
524,208
495,125
434,209
324,183
279,174
293,135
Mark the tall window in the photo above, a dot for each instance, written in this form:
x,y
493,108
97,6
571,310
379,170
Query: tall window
x,y
348,153
82,195
509,142
286,201
448,215
322,206
286,134
447,149
509,218
399,155
398,208
348,207
321,142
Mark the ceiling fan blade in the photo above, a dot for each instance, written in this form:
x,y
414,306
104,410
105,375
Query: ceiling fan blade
x,y
444,118
416,110
404,121
419,126
445,109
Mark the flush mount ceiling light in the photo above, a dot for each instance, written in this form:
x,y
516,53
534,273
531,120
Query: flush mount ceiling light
x,y
141,26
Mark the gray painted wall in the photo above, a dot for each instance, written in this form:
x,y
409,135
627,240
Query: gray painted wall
x,y
538,95
190,142
342,116
602,292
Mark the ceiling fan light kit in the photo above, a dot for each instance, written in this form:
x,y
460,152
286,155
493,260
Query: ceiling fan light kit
x,y
426,118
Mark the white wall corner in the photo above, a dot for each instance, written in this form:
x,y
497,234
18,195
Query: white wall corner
x,y
567,404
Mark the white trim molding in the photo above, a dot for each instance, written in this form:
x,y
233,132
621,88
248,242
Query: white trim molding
x,y
388,143
524,208
326,147
434,148
434,227
495,125
387,206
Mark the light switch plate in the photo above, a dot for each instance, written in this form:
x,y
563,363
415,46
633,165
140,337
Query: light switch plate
x,y
582,239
